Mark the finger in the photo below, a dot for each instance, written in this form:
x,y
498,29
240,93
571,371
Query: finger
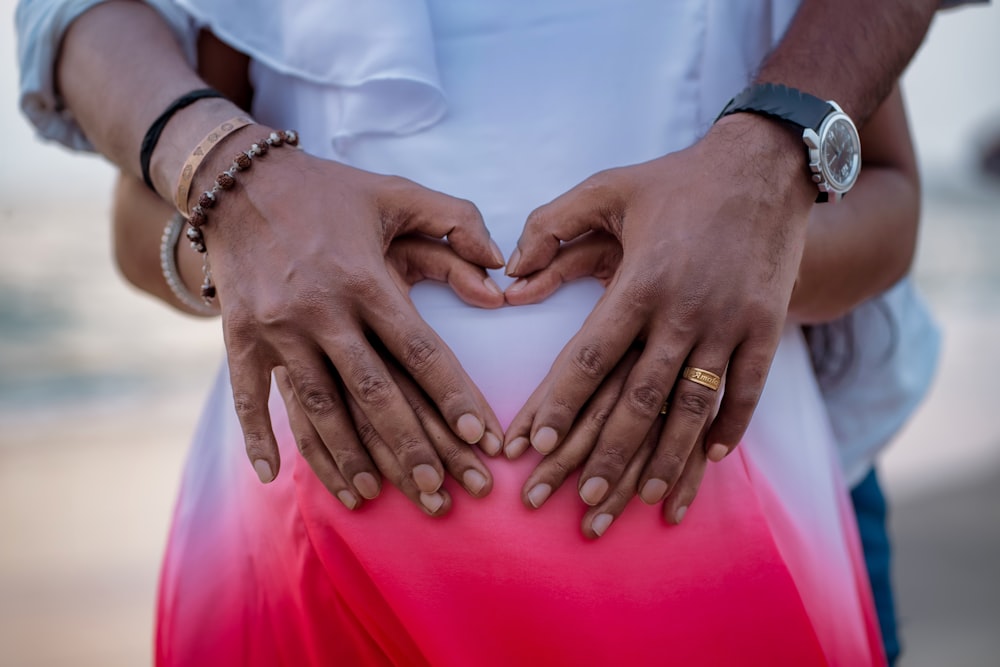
x,y
553,470
642,398
580,368
250,377
682,495
429,361
369,382
418,258
319,401
596,254
599,518
432,503
692,405
311,445
459,459
745,379
597,203
414,208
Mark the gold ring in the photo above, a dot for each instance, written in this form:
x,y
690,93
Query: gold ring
x,y
663,408
702,377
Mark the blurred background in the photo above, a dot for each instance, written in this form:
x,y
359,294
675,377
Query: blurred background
x,y
100,388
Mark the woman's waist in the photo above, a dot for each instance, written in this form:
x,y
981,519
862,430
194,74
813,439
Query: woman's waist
x,y
507,351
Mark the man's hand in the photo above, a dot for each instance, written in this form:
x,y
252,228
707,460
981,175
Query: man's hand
x,y
711,239
306,281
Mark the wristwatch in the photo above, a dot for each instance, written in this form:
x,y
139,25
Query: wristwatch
x,y
828,133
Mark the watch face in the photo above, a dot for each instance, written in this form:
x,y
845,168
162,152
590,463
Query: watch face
x,y
841,153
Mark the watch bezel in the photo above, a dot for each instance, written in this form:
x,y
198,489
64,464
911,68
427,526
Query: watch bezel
x,y
816,139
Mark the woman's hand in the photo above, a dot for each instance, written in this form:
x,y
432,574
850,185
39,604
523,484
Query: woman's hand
x,y
300,254
710,244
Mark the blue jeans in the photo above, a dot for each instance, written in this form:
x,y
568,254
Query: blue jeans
x,y
870,508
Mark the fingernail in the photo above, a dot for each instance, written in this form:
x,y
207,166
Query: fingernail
x,y
263,470
492,286
474,481
515,259
516,447
653,491
366,484
539,494
432,501
497,254
545,439
601,523
490,444
717,452
346,497
426,478
679,514
470,428
593,490
517,286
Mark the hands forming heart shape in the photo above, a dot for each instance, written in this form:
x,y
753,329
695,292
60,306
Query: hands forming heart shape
x,y
313,284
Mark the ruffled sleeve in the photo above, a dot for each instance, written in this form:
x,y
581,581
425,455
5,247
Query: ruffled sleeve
x,y
378,54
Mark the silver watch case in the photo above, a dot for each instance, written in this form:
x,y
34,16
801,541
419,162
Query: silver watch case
x,y
835,185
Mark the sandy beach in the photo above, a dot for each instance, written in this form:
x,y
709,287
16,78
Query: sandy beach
x,y
100,388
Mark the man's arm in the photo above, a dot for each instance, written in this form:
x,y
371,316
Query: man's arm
x,y
851,51
712,238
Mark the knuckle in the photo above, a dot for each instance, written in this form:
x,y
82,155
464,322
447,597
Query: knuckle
x,y
318,401
420,352
306,445
598,418
374,389
246,406
537,219
239,327
465,210
452,455
408,447
645,399
590,361
364,285
642,289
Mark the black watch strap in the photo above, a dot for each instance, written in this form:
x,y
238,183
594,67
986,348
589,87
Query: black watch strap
x,y
782,102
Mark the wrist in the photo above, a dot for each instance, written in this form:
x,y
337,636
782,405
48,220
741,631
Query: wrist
x,y
180,137
765,156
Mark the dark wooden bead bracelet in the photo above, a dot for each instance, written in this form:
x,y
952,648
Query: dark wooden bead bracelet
x,y
208,199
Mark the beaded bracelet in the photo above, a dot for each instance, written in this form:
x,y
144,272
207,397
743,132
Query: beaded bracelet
x,y
168,263
225,181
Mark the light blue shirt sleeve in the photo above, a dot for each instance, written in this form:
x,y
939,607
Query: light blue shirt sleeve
x,y
894,351
41,25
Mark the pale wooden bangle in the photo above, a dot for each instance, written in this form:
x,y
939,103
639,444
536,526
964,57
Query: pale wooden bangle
x,y
199,153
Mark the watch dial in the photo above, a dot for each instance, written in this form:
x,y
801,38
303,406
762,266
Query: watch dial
x,y
841,158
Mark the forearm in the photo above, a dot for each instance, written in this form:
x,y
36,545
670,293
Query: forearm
x,y
864,244
117,91
859,250
851,51
138,219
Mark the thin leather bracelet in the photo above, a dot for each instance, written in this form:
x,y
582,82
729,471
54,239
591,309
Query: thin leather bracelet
x,y
156,129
